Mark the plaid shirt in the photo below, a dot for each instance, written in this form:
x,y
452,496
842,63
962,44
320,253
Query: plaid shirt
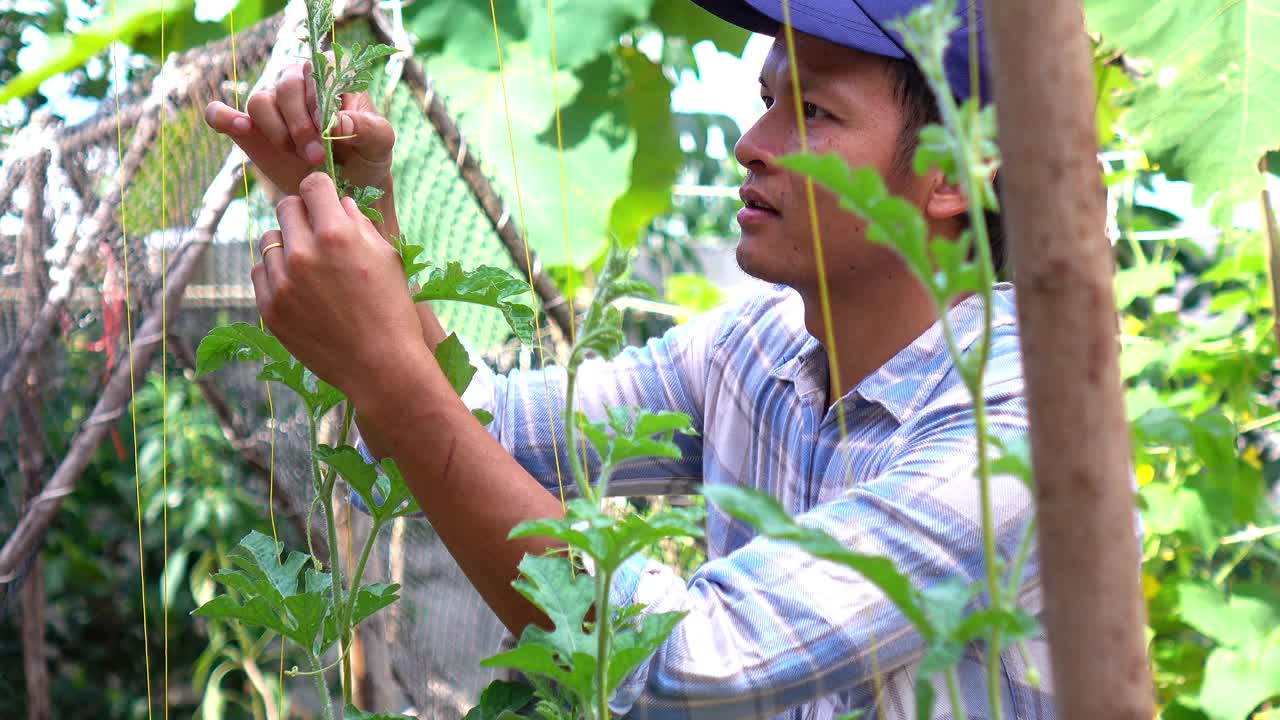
x,y
772,632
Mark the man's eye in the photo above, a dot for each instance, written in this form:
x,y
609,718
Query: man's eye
x,y
813,112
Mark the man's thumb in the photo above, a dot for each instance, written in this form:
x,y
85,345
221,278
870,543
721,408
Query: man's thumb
x,y
367,133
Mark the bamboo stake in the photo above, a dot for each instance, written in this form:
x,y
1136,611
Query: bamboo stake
x,y
1054,211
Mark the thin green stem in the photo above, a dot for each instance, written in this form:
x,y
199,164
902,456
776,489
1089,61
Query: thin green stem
x,y
1020,560
604,635
321,686
953,693
335,560
349,608
570,435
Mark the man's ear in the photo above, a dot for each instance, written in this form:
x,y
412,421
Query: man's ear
x,y
945,199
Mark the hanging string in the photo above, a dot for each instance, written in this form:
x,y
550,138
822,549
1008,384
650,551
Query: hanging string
x,y
164,384
524,226
128,324
271,408
824,296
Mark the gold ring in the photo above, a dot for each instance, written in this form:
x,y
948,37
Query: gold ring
x,y
271,247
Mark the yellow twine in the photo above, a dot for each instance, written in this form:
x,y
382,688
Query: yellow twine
x,y
133,405
164,391
271,408
825,297
524,227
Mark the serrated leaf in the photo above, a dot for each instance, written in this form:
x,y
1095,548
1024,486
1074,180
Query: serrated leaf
x,y
384,496
308,612
259,556
550,584
500,696
1143,281
455,363
256,612
371,598
238,341
635,645
766,515
484,285
1206,107
409,253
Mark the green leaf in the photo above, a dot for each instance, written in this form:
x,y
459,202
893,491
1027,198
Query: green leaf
x,y
1014,459
238,341
396,491
924,698
658,156
634,645
256,612
129,19
1236,683
600,142
1143,281
681,18
409,253
1205,107
484,416
584,29
462,30
259,556
1169,509
384,496
488,286
767,516
308,612
1238,620
371,598
455,363
550,584
499,697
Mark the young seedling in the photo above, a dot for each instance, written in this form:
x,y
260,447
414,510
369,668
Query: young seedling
x,y
593,646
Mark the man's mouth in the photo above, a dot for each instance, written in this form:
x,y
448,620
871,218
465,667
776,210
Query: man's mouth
x,y
757,210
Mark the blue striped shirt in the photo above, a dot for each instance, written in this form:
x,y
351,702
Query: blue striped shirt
x,y
772,632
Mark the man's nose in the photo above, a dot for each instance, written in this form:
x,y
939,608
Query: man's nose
x,y
760,144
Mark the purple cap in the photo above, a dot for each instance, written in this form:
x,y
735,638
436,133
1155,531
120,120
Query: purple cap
x,y
862,25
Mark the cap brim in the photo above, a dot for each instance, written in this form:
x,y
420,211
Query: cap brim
x,y
851,27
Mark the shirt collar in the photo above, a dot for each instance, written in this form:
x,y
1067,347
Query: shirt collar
x,y
904,383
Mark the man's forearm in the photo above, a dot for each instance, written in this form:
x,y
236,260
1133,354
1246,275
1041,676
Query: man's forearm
x,y
432,330
471,490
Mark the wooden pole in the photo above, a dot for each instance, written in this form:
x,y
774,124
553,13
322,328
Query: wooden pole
x,y
35,664
1054,214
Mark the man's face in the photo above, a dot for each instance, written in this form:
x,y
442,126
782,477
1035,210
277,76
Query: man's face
x,y
850,109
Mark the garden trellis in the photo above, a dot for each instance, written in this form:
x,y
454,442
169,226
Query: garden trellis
x,y
186,250
62,293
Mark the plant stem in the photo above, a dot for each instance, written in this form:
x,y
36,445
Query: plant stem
x,y
604,632
335,561
321,686
570,432
953,693
349,608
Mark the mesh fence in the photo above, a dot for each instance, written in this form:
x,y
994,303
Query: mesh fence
x,y
424,651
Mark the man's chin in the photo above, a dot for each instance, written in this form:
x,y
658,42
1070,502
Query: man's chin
x,y
752,262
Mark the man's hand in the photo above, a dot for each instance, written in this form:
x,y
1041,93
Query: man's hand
x,y
335,294
281,133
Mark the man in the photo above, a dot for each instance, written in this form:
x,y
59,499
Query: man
x,y
770,631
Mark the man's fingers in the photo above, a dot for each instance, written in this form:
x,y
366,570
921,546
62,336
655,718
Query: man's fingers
x,y
294,224
291,96
226,119
373,135
266,117
273,258
323,209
